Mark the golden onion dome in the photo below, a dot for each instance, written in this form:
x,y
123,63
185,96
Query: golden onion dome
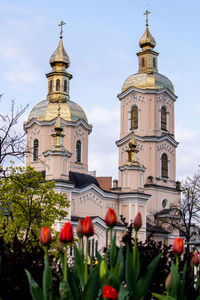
x,y
47,111
148,81
147,39
60,55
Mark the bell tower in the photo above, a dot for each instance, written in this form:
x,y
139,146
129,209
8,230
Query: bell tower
x,y
147,107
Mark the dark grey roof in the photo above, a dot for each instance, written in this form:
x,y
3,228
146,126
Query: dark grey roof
x,y
155,229
82,180
75,219
166,211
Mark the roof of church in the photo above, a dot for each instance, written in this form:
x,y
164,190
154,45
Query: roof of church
x,y
47,111
82,180
148,81
75,218
155,229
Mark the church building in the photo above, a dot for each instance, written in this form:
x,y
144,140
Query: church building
x,y
58,130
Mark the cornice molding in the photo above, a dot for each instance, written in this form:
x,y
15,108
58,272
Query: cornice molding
x,y
147,91
156,139
52,122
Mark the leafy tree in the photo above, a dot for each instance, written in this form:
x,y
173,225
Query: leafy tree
x,y
28,203
12,143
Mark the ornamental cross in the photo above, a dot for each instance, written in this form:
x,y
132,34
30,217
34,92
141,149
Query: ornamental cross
x,y
147,13
61,25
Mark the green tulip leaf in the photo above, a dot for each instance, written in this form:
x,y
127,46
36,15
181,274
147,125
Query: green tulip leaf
x,y
123,293
129,271
145,281
92,287
163,297
36,291
113,252
47,281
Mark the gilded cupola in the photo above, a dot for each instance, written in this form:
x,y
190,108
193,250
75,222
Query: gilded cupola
x,y
148,76
58,90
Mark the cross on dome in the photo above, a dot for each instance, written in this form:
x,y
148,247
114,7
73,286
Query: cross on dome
x,y
147,13
61,26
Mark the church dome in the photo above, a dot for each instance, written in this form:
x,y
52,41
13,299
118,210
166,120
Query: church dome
x,y
148,81
60,55
47,111
147,39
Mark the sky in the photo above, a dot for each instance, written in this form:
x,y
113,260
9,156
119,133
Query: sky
x,y
101,39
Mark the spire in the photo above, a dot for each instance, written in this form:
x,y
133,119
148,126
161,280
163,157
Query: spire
x,y
147,56
60,55
147,40
58,78
132,152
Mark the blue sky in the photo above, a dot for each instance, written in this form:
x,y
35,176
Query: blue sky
x,y
101,39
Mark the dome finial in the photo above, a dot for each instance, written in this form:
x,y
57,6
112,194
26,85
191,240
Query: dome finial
x,y
61,26
147,19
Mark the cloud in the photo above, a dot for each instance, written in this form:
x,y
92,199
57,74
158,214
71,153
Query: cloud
x,y
188,156
103,152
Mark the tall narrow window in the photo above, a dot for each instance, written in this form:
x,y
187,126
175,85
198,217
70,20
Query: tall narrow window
x,y
35,150
96,248
163,118
58,85
154,62
50,86
134,117
143,63
164,165
65,85
78,151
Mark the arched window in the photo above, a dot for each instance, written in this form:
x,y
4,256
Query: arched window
x,y
164,165
50,85
65,85
163,118
134,117
143,63
35,150
78,151
57,84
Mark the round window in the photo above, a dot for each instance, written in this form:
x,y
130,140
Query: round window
x,y
164,203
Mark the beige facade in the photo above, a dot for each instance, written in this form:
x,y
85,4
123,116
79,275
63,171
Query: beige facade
x,y
57,139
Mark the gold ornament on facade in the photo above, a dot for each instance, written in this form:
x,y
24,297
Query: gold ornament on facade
x,y
132,151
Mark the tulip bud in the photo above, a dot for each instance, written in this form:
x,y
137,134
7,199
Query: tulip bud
x,y
45,236
66,234
103,269
177,247
79,229
137,223
88,228
169,281
111,218
110,293
195,259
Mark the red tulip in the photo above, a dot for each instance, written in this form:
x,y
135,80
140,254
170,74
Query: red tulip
x,y
111,218
45,236
88,228
137,223
195,259
79,229
177,247
66,234
110,293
